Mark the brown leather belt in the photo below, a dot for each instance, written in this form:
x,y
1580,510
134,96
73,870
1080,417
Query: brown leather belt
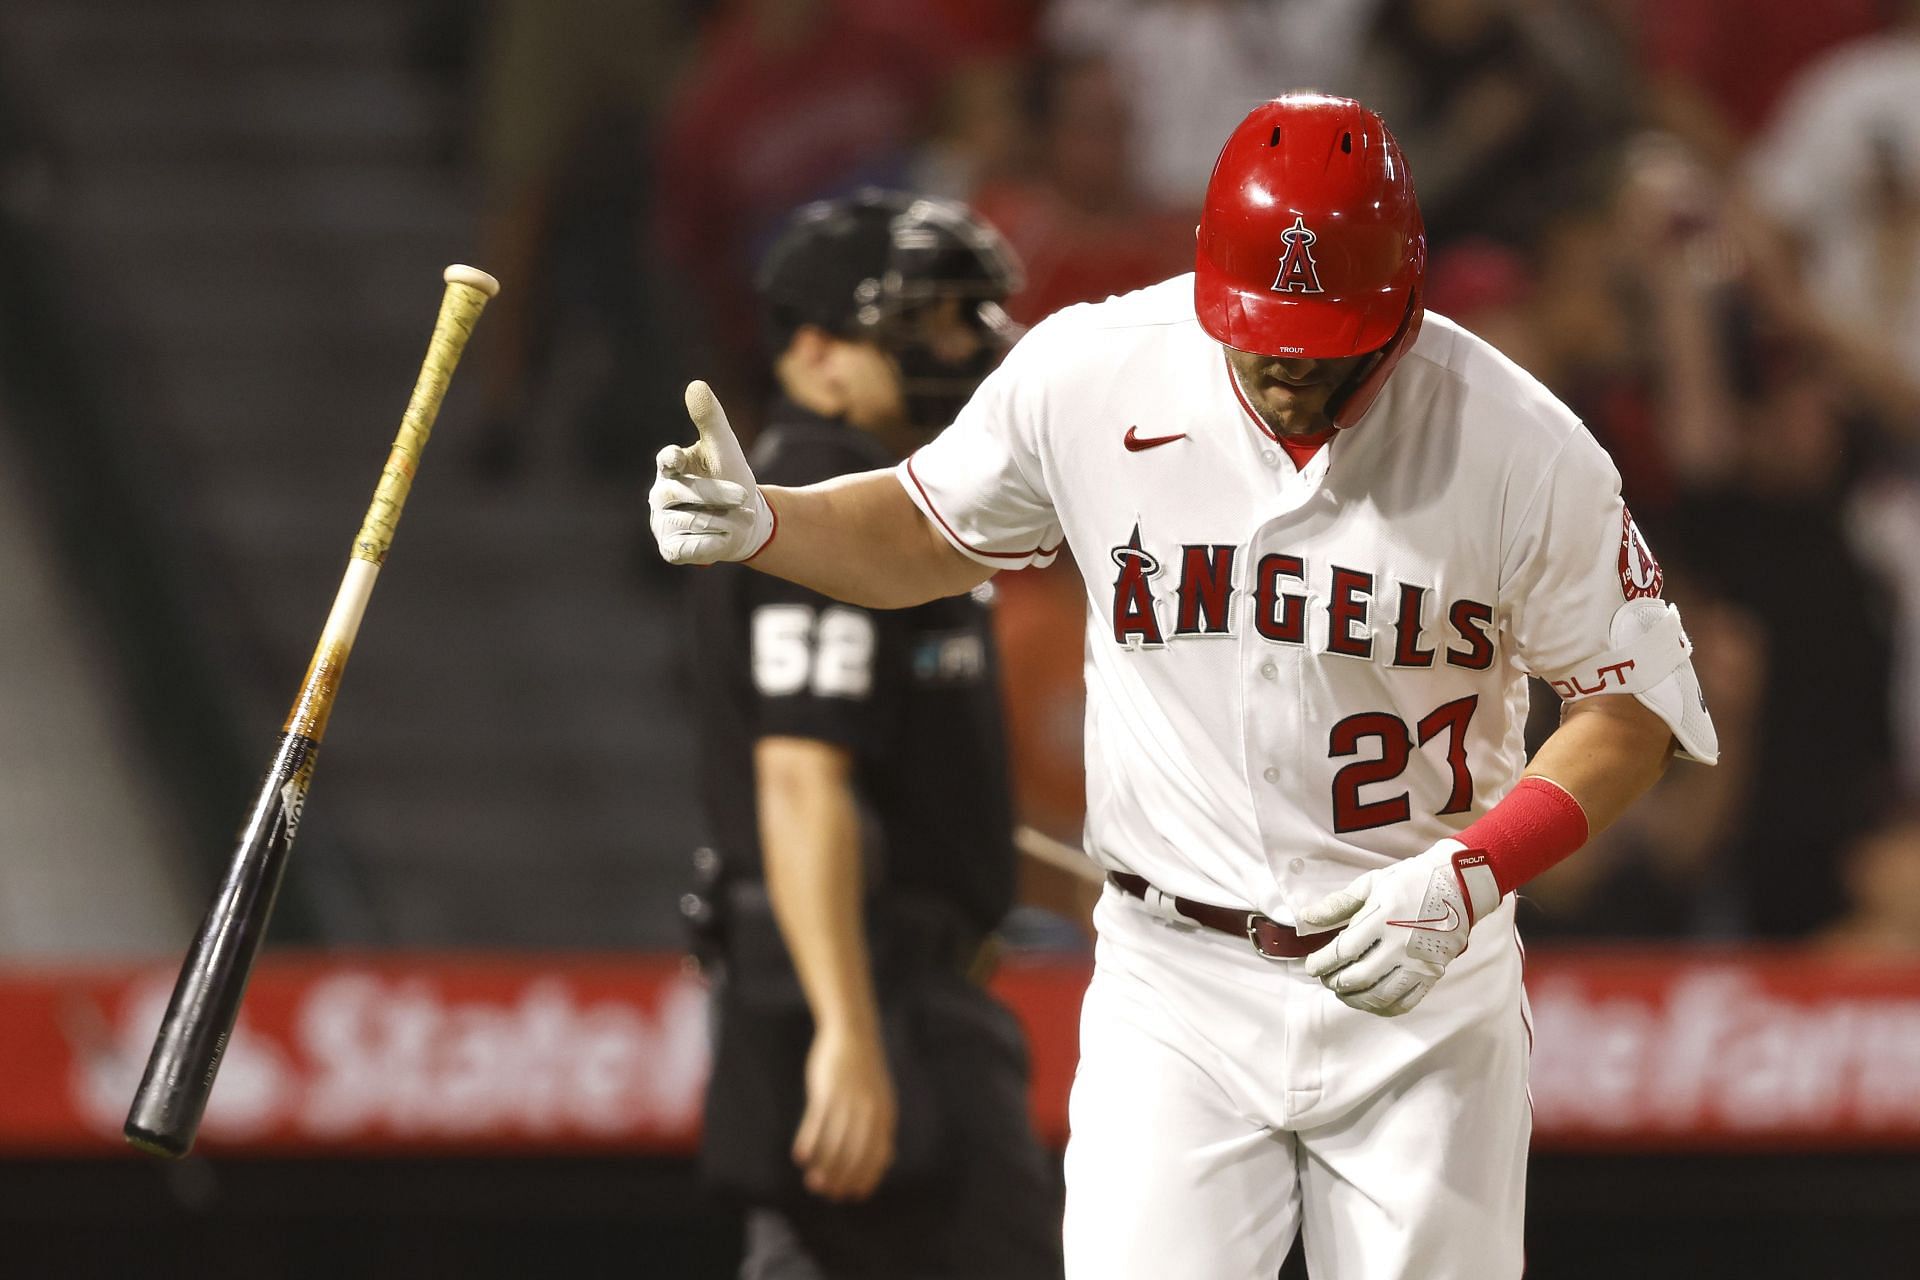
x,y
1269,937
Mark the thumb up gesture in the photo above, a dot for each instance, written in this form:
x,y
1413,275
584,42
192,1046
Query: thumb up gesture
x,y
705,506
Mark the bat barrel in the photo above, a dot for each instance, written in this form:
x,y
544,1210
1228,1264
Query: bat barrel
x,y
194,1032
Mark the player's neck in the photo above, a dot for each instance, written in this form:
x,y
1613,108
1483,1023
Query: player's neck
x,y
1319,432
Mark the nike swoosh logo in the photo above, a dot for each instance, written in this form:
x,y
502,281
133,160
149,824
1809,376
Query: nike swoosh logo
x,y
1136,442
1438,924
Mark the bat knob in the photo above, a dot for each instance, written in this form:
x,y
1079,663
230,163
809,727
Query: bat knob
x,y
156,1144
473,276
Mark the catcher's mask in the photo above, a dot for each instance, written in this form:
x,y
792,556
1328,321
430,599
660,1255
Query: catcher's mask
x,y
885,266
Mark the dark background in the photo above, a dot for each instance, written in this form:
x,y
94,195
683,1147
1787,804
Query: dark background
x,y
1665,1218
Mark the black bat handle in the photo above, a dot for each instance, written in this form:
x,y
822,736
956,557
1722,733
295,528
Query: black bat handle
x,y
206,998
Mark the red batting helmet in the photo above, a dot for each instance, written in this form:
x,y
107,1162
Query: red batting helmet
x,y
1311,242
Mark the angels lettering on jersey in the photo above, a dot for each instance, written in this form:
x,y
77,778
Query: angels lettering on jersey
x,y
1284,586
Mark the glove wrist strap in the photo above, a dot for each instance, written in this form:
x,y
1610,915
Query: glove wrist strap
x,y
1478,886
769,519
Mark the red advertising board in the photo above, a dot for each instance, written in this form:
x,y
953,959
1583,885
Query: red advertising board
x,y
1678,1049
355,1053
351,1053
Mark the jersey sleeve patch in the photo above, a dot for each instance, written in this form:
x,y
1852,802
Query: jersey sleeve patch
x,y
1640,574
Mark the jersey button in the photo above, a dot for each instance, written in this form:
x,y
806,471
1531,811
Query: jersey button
x,y
1268,670
1297,865
1272,774
1270,457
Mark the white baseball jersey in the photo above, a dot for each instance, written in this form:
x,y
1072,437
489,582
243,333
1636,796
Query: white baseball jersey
x,y
1293,675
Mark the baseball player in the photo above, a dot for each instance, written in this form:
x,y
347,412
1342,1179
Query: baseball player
x,y
868,1100
1326,535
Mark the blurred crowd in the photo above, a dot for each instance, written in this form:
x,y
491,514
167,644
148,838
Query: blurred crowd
x,y
1697,221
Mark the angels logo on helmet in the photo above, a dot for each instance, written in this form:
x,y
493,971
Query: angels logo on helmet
x,y
1298,273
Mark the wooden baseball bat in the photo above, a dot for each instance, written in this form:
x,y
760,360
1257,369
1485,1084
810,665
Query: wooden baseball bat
x,y
206,998
1057,876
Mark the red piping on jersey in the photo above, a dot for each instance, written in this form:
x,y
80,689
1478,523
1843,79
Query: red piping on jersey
x,y
1525,1021
997,555
1300,448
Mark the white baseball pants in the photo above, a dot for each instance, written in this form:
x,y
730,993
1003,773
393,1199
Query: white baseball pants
x,y
1226,1101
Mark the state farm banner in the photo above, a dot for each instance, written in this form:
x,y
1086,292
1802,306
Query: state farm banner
x,y
402,1052
363,1053
1658,1049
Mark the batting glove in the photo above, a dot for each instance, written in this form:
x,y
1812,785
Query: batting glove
x,y
705,504
1404,924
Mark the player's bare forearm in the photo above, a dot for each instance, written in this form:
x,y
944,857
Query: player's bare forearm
x,y
859,538
1605,754
810,843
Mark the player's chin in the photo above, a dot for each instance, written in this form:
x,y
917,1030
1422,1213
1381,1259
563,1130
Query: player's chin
x,y
1297,415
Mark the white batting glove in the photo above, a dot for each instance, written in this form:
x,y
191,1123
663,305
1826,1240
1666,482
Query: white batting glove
x,y
1404,924
705,504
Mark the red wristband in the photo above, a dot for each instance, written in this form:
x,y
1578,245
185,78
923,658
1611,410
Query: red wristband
x,y
1536,826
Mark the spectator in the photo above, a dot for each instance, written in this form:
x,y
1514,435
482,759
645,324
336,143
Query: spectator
x,y
981,49
1677,254
1838,174
1717,66
1497,114
1661,319
979,133
961,32
1490,289
1639,305
1839,171
1583,330
1773,532
787,100
1191,68
1884,521
1883,883
567,92
1078,223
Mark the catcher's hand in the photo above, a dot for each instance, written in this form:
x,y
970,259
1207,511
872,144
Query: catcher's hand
x,y
705,504
1404,924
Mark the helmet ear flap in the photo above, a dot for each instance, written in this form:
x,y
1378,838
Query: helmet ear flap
x,y
1352,403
